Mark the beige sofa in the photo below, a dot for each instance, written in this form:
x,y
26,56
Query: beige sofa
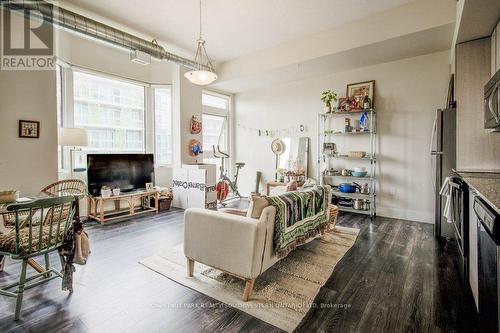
x,y
238,245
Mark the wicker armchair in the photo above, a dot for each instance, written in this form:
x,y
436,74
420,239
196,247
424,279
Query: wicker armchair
x,y
66,187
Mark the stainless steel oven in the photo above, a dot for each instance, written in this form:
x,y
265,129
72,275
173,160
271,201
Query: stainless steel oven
x,y
492,103
488,234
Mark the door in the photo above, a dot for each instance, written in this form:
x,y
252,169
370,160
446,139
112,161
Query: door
x,y
488,270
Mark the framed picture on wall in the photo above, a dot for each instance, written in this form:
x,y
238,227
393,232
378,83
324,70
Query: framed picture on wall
x,y
29,129
360,89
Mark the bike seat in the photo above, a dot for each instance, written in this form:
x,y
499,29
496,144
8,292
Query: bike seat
x,y
239,164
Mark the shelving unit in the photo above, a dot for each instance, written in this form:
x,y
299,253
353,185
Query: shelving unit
x,y
327,161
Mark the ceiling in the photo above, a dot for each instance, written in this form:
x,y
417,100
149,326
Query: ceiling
x,y
233,28
477,20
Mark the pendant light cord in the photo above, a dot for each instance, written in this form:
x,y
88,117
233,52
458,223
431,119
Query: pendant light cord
x,y
200,19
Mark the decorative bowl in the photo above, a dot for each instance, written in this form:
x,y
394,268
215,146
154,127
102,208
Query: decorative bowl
x,y
359,173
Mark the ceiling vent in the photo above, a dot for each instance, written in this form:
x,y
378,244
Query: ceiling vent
x,y
139,57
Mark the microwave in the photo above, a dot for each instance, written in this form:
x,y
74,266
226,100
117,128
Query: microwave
x,y
492,103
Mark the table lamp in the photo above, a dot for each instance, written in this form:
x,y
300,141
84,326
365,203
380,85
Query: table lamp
x,y
73,138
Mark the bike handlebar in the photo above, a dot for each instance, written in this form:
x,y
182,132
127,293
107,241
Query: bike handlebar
x,y
220,152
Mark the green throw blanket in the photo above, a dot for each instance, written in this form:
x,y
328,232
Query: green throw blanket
x,y
300,215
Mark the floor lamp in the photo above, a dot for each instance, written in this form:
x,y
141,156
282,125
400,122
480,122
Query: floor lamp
x,y
73,138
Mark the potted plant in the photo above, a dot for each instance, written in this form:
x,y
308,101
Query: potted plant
x,y
281,172
327,97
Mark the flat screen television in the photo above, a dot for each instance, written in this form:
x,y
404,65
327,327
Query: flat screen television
x,y
128,172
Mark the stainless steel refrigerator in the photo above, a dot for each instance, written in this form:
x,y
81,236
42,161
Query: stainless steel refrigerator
x,y
443,156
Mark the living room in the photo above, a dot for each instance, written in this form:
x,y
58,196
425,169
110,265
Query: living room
x,y
249,166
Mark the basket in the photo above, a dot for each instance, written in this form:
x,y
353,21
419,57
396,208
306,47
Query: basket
x,y
334,213
9,196
357,154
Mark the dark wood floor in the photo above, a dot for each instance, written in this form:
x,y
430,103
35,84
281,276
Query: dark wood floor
x,y
396,278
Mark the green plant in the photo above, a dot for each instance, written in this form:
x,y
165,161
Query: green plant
x,y
281,171
328,96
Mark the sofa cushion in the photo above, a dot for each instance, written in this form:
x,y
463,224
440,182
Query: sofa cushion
x,y
257,204
234,211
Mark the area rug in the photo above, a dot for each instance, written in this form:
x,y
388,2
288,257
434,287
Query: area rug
x,y
282,295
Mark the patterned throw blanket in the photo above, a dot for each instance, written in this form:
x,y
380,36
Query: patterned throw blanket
x,y
300,215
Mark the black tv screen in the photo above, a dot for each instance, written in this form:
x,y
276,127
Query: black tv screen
x,y
128,172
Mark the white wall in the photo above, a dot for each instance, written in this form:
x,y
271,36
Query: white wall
x,y
27,164
407,93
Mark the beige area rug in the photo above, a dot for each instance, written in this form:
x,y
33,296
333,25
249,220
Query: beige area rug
x,y
282,295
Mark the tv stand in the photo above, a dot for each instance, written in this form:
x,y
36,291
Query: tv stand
x,y
97,211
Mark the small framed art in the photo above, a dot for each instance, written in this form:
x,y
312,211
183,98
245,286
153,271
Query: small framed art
x,y
29,129
361,89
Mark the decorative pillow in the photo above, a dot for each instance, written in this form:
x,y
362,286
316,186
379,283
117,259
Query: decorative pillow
x,y
291,186
257,205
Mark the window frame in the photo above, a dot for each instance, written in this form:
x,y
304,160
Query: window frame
x,y
227,113
60,71
213,111
153,111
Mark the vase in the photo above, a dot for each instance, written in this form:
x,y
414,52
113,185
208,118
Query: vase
x,y
335,104
327,109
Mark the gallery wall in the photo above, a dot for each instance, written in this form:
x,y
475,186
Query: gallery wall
x,y
407,93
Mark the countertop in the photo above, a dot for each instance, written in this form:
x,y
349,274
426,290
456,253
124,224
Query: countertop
x,y
486,184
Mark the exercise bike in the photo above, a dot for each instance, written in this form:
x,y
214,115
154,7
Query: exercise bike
x,y
225,184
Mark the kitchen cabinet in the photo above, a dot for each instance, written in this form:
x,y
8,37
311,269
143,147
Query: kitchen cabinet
x,y
497,44
476,147
473,261
495,50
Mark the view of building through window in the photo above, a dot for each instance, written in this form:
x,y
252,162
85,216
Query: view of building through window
x,y
112,111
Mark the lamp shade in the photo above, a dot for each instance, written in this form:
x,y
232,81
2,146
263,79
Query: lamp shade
x,y
201,77
73,137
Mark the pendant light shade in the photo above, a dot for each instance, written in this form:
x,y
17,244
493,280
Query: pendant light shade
x,y
204,73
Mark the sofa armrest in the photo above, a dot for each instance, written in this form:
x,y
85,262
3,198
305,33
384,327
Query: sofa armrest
x,y
228,242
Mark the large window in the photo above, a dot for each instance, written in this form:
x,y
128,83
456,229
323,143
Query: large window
x,y
112,111
215,120
163,125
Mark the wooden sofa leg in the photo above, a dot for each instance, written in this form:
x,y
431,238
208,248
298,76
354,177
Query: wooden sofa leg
x,y
190,267
248,289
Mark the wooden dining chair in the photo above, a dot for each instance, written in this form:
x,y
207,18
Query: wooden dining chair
x,y
74,187
32,237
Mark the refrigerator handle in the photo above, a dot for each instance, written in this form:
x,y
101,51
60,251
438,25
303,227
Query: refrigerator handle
x,y
433,134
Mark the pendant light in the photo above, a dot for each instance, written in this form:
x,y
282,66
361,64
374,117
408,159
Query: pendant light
x,y
204,73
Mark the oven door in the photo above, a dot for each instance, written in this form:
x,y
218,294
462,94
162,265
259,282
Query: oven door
x,y
487,280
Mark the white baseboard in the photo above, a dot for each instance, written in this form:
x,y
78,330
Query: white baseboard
x,y
417,216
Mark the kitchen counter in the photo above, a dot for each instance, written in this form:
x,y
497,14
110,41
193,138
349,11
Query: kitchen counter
x,y
486,184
